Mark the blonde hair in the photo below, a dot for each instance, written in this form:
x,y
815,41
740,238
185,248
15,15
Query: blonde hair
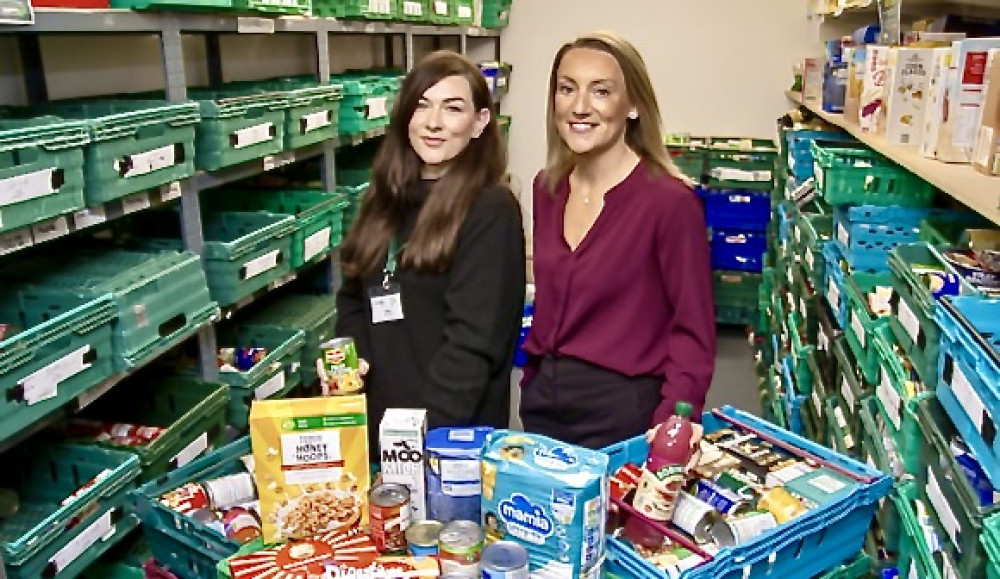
x,y
642,135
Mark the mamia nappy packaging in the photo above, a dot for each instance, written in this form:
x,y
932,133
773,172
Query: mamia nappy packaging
x,y
548,496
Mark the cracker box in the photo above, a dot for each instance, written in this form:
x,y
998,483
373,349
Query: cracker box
x,y
873,89
401,440
549,496
907,95
311,465
934,110
854,56
986,157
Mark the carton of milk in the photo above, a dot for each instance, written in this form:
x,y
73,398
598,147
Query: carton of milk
x,y
549,496
401,441
454,485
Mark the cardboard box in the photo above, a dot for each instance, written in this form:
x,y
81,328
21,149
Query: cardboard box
x,y
855,58
877,78
812,81
986,155
934,109
908,95
964,99
401,443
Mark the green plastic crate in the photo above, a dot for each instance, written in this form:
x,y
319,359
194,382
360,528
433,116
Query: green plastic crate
x,y
814,231
173,4
690,154
737,288
160,297
842,434
236,128
991,540
821,391
443,12
913,305
357,9
314,109
64,345
41,170
735,315
123,561
465,12
915,556
954,507
778,396
855,568
365,104
275,6
134,145
741,163
355,196
496,13
851,386
192,411
273,377
800,350
45,475
805,304
862,322
315,315
853,173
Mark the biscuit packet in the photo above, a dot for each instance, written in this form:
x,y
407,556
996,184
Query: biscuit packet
x,y
311,465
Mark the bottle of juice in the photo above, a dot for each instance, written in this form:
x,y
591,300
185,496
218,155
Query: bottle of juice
x,y
672,454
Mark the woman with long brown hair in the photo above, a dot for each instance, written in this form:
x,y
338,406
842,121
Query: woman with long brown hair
x,y
434,267
624,321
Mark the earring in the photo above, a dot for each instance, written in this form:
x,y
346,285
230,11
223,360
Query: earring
x,y
633,115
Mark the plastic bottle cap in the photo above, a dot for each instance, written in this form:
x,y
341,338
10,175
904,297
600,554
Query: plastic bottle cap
x,y
683,409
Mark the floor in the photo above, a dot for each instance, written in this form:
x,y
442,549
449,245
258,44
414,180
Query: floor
x,y
734,383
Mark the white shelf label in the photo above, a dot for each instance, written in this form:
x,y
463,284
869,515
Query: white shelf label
x,y
465,11
146,163
810,260
848,394
272,162
318,120
251,25
100,530
440,8
28,186
43,384
890,400
254,135
968,398
89,217
170,192
413,8
842,235
729,174
15,240
833,295
257,266
49,230
908,320
802,307
942,508
192,450
316,243
380,6
822,341
377,107
134,203
273,385
859,330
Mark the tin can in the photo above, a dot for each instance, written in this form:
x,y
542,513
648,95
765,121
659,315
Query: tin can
x,y
742,529
133,434
695,517
505,560
460,548
389,516
338,367
781,504
241,524
422,538
231,490
186,498
209,518
723,499
247,358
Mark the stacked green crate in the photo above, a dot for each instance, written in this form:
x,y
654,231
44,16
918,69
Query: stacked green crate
x,y
414,10
41,170
444,12
736,297
357,9
741,163
124,561
275,6
238,126
690,154
495,13
314,109
366,102
315,315
211,5
868,296
878,450
991,540
898,393
917,542
853,173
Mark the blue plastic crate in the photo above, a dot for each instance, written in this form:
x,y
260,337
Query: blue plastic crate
x,y
969,374
836,283
811,544
800,157
520,357
738,250
737,209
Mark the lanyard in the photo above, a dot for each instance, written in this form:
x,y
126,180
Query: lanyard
x,y
391,258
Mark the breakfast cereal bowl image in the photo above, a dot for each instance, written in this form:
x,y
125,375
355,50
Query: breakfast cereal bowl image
x,y
318,511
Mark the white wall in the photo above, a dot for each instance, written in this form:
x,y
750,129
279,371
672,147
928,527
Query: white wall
x,y
718,66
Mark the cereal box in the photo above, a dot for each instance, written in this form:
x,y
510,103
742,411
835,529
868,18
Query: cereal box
x,y
934,112
311,465
908,95
549,496
307,558
967,67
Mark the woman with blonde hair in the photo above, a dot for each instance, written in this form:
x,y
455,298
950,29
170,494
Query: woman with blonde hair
x,y
624,322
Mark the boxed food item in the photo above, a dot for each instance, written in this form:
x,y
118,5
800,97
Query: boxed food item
x,y
877,78
401,441
964,99
549,496
911,69
934,110
854,56
454,486
311,465
812,81
307,558
386,567
987,151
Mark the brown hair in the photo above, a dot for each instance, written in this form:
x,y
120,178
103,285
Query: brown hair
x,y
482,164
642,134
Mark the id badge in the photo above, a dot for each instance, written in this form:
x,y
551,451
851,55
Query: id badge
x,y
387,303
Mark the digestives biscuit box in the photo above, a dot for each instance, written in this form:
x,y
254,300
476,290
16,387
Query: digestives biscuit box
x,y
549,496
311,465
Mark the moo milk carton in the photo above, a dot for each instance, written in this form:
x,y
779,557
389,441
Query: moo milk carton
x,y
401,442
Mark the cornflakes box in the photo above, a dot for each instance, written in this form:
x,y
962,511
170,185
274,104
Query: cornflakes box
x,y
311,465
549,496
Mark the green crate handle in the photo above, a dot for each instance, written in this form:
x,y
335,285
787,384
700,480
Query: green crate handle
x,y
20,348
56,135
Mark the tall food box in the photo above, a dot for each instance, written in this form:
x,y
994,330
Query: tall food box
x,y
549,496
937,96
310,464
454,483
911,70
965,98
986,157
877,77
855,58
401,441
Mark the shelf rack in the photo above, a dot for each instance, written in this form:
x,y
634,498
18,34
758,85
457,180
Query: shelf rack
x,y
978,192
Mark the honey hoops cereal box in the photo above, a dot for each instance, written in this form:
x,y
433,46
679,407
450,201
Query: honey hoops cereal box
x,y
311,465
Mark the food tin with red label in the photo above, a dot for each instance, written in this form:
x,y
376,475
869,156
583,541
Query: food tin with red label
x,y
241,524
460,548
186,498
389,506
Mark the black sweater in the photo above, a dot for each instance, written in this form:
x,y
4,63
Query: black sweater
x,y
453,351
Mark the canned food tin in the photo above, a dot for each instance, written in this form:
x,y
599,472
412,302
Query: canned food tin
x,y
389,516
460,548
781,504
231,490
505,560
695,517
338,367
743,528
422,538
186,498
241,524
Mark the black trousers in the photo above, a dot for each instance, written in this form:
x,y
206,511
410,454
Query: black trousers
x,y
583,404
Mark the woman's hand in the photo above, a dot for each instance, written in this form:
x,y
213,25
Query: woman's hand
x,y
363,366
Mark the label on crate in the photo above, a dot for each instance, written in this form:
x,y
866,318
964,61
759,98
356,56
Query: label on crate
x,y
890,400
730,174
314,121
802,307
43,384
134,203
251,25
100,530
440,8
948,570
848,394
968,398
798,235
942,508
908,320
192,450
316,243
377,107
273,385
822,341
817,403
146,163
465,12
254,135
810,259
271,162
833,295
15,240
842,235
30,186
88,217
913,573
413,8
49,230
380,6
859,330
170,191
257,266
838,414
